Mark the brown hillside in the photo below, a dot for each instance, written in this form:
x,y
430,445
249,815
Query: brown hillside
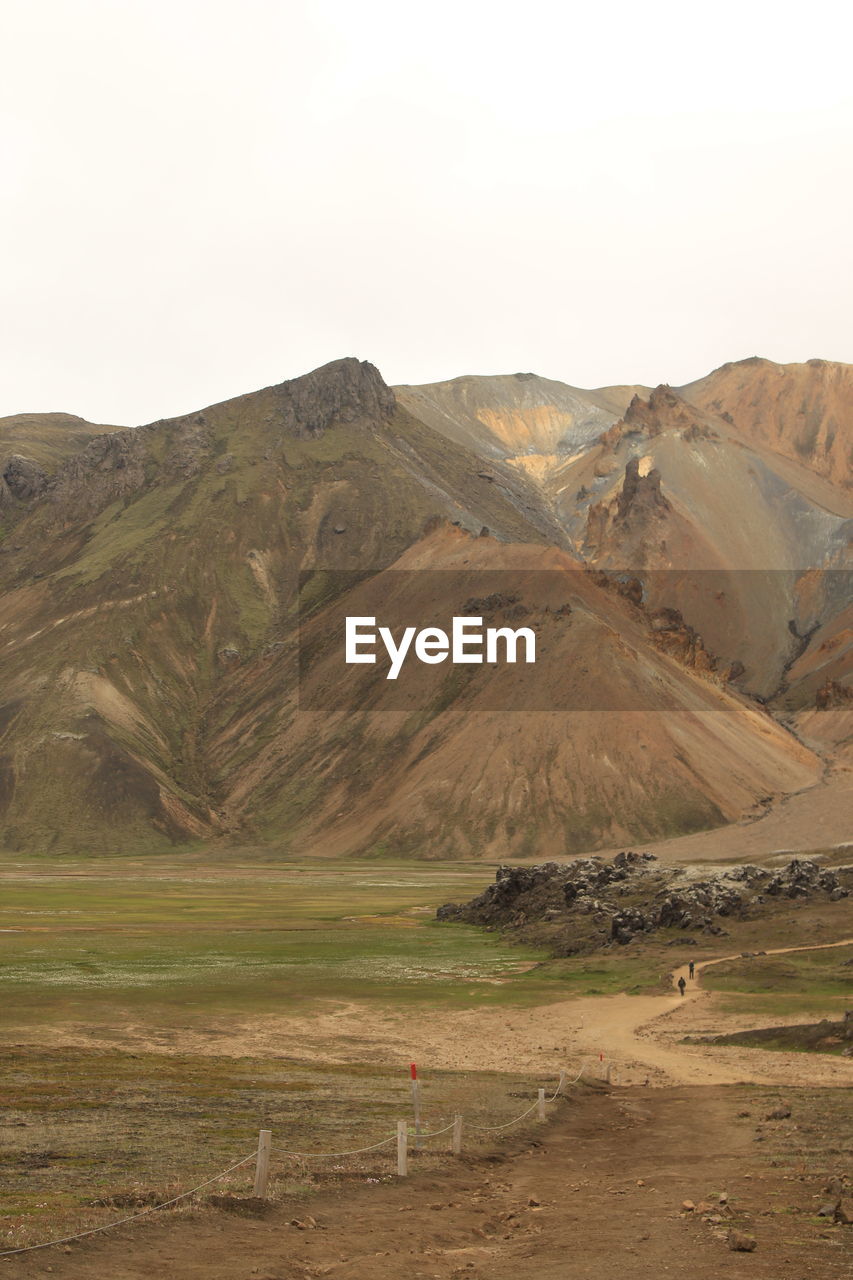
x,y
801,411
447,774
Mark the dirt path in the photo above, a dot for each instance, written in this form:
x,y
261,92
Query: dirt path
x,y
630,1028
596,1192
692,991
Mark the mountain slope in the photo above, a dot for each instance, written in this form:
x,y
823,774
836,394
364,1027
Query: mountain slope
x,y
484,761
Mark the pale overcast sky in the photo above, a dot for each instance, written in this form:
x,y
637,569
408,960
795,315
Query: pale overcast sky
x,y
200,198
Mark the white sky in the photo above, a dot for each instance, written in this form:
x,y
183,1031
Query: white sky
x,y
200,198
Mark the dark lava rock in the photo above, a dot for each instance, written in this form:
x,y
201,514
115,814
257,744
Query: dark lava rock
x,y
579,906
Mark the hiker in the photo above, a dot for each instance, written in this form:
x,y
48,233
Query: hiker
x,y
692,967
681,984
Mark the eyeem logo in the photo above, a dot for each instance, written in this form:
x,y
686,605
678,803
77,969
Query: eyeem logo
x,y
469,641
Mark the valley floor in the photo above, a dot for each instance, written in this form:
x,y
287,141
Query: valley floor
x,y
597,1191
641,1034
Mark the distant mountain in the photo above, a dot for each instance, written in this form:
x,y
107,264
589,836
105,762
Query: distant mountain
x,y
516,416
669,490
800,411
150,586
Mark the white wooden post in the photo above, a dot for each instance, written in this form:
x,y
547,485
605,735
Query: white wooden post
x,y
608,1067
540,1110
402,1148
457,1135
262,1168
561,1084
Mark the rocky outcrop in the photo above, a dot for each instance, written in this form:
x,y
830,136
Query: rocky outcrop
x,y
112,466
344,391
640,495
833,694
636,512
802,878
592,903
22,478
676,637
663,410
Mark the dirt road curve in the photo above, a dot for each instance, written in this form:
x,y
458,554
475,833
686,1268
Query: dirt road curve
x,y
628,1029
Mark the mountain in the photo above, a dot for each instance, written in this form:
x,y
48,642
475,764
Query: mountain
x,y
156,581
521,416
799,411
719,527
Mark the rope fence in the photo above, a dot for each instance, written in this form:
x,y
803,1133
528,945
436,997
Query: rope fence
x,y
261,1157
154,1208
330,1155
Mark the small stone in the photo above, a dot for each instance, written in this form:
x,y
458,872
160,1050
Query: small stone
x,y
740,1242
641,1182
780,1113
688,1206
533,1203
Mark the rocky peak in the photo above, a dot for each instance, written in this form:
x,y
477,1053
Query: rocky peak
x,y
664,408
347,390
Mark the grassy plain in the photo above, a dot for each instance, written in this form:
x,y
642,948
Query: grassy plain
x,y
812,983
171,947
